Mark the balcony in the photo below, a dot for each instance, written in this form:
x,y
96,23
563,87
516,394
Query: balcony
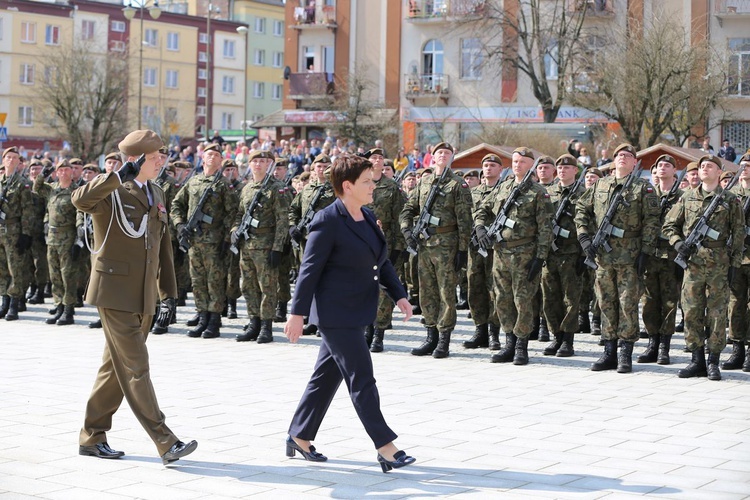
x,y
440,11
430,85
592,8
311,86
312,14
731,9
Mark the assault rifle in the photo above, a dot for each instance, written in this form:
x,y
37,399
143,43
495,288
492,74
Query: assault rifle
x,y
665,204
557,230
248,219
702,230
426,218
606,229
307,218
198,216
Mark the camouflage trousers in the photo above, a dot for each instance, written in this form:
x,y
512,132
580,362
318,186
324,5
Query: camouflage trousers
x,y
589,301
662,293
63,274
83,264
233,276
39,258
437,282
618,289
481,293
12,276
208,274
181,268
283,289
514,293
705,295
561,290
258,283
386,304
739,315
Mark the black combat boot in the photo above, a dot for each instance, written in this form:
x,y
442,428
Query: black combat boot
x,y
194,320
643,334
481,338
697,366
554,346
48,290
543,330
280,314
736,358
596,325
5,305
231,308
625,357
12,314
38,296
158,329
608,361
377,340
416,310
266,331
584,325
713,371
369,332
67,317
521,356
428,346
79,298
59,309
52,311
566,349
663,357
96,324
181,298
494,342
680,327
22,304
213,326
443,345
31,292
746,364
462,304
535,329
652,350
506,355
250,331
201,326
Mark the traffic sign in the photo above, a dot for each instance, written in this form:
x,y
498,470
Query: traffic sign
x,y
3,134
3,116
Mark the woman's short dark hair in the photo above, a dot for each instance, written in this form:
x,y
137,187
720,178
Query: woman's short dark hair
x,y
347,167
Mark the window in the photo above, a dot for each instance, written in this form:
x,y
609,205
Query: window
x,y
149,113
227,86
52,35
117,26
278,28
170,115
229,49
276,92
88,28
201,74
25,116
550,60
739,67
201,91
150,37
260,24
738,134
173,41
471,58
202,38
202,57
469,134
226,121
28,32
278,59
259,88
117,46
255,118
50,75
170,81
432,57
259,57
149,77
27,74
200,110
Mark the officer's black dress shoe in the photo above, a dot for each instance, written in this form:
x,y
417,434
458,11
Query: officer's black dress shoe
x,y
96,324
99,450
179,450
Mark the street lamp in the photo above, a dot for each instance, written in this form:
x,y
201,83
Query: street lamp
x,y
243,30
129,13
211,9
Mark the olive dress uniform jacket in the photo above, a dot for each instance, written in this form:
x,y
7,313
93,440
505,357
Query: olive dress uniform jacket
x,y
129,274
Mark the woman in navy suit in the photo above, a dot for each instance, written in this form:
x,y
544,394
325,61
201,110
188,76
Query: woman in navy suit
x,y
343,268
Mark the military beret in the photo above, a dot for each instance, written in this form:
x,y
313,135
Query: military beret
x,y
472,173
427,169
668,159
76,161
170,167
64,163
212,147
304,176
607,167
164,150
228,163
260,154
388,162
140,142
726,175
460,173
322,158
181,164
546,160
410,174
374,151
113,156
282,162
745,157
595,171
46,162
93,167
625,147
712,158
35,162
442,145
568,159
693,165
524,152
493,158
11,149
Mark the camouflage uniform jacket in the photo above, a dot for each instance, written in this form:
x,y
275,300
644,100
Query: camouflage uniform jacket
x,y
271,213
743,194
453,209
557,192
532,214
222,206
301,202
18,206
388,201
639,221
728,220
480,193
61,213
663,249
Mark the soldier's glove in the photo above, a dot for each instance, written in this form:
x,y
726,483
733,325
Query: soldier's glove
x,y
129,171
534,267
75,251
394,255
640,263
462,258
682,249
23,243
585,242
224,249
167,310
47,171
296,234
274,258
234,238
183,233
411,241
484,240
731,274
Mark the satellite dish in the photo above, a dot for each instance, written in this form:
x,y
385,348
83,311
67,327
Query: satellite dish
x,y
287,72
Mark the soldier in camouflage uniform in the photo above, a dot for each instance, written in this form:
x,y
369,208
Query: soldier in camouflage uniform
x,y
235,183
283,289
444,254
711,269
61,240
519,258
481,293
588,297
387,203
545,173
561,277
181,264
38,245
618,277
210,245
16,214
261,248
662,280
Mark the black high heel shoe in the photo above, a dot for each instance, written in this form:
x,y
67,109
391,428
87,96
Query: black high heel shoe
x,y
400,459
311,456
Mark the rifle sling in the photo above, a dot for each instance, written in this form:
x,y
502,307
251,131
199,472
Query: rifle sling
x,y
516,243
442,229
631,234
714,244
263,230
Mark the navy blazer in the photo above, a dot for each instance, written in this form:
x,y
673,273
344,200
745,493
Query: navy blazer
x,y
341,274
